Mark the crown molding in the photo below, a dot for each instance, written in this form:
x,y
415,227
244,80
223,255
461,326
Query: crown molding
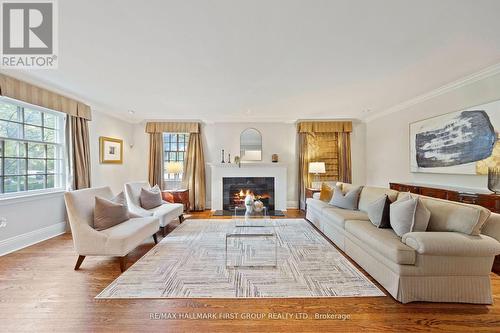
x,y
469,79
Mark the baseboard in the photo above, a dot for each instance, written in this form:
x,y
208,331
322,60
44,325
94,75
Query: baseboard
x,y
36,236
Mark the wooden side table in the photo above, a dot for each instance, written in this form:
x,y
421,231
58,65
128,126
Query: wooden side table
x,y
310,191
179,196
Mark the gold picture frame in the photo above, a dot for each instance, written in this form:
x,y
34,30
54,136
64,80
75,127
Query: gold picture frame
x,y
110,150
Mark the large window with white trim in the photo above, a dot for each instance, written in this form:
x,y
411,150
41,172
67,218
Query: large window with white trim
x,y
32,148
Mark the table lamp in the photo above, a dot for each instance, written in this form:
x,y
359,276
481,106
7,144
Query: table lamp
x,y
317,168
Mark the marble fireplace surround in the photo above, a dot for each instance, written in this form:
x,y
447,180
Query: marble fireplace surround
x,y
276,170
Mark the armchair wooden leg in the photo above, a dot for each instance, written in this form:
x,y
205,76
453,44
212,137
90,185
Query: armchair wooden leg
x,y
123,263
79,262
181,218
155,239
163,231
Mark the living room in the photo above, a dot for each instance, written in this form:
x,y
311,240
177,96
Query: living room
x,y
250,166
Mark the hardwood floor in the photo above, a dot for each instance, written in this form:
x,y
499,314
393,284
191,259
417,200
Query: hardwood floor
x,y
40,292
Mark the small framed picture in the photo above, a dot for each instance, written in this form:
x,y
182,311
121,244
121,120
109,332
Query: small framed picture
x,y
111,150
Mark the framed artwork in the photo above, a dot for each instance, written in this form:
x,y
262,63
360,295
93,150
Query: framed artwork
x,y
111,150
461,142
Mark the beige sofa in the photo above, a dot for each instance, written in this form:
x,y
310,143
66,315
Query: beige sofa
x,y
433,266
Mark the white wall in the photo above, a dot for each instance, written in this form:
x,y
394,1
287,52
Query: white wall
x,y
113,175
387,138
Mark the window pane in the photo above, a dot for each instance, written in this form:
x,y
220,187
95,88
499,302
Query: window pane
x,y
36,182
49,120
32,133
51,151
36,150
9,112
172,156
14,184
15,149
51,166
33,117
36,166
15,166
49,135
10,130
50,181
181,157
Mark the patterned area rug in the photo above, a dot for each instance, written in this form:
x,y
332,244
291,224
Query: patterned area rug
x,y
191,262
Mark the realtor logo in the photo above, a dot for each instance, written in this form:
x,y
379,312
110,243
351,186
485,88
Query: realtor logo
x,y
29,34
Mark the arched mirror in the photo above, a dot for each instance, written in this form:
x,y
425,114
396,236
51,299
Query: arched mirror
x,y
251,145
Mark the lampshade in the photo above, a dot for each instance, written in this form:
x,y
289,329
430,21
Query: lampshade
x,y
317,167
174,167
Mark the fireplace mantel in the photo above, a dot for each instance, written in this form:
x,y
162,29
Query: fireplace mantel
x,y
276,170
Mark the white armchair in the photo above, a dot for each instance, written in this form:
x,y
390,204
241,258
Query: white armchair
x,y
165,213
116,241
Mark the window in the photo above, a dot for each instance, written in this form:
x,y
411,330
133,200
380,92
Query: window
x,y
31,148
174,145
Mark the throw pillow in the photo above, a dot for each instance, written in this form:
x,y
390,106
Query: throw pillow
x,y
409,214
151,198
348,200
378,212
326,193
108,213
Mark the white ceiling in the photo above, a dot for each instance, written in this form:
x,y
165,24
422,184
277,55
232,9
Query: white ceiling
x,y
257,60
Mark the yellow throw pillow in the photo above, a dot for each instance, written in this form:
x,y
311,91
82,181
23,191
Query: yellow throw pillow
x,y
326,193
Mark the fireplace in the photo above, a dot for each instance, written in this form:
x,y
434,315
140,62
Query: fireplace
x,y
235,189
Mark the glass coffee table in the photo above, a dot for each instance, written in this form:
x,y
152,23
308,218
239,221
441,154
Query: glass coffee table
x,y
252,242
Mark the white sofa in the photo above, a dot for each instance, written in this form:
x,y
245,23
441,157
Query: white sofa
x,y
116,241
165,213
434,266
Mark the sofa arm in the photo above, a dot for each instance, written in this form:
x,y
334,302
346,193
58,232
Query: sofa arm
x,y
451,244
316,195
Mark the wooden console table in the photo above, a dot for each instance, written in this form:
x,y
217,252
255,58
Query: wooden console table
x,y
481,198
486,199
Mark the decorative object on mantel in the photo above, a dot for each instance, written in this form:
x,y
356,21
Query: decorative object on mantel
x,y
316,168
274,158
462,142
222,154
229,158
494,180
237,161
111,150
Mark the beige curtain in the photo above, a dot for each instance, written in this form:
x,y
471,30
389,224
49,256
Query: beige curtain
x,y
194,172
155,169
344,157
29,93
80,147
172,127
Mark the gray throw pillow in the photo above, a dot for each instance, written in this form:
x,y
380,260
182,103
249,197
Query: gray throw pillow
x,y
151,198
348,200
409,214
378,212
108,213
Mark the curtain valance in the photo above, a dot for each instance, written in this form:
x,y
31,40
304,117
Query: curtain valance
x,y
26,92
173,127
324,126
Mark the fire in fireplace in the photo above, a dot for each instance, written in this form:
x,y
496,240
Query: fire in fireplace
x,y
235,189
